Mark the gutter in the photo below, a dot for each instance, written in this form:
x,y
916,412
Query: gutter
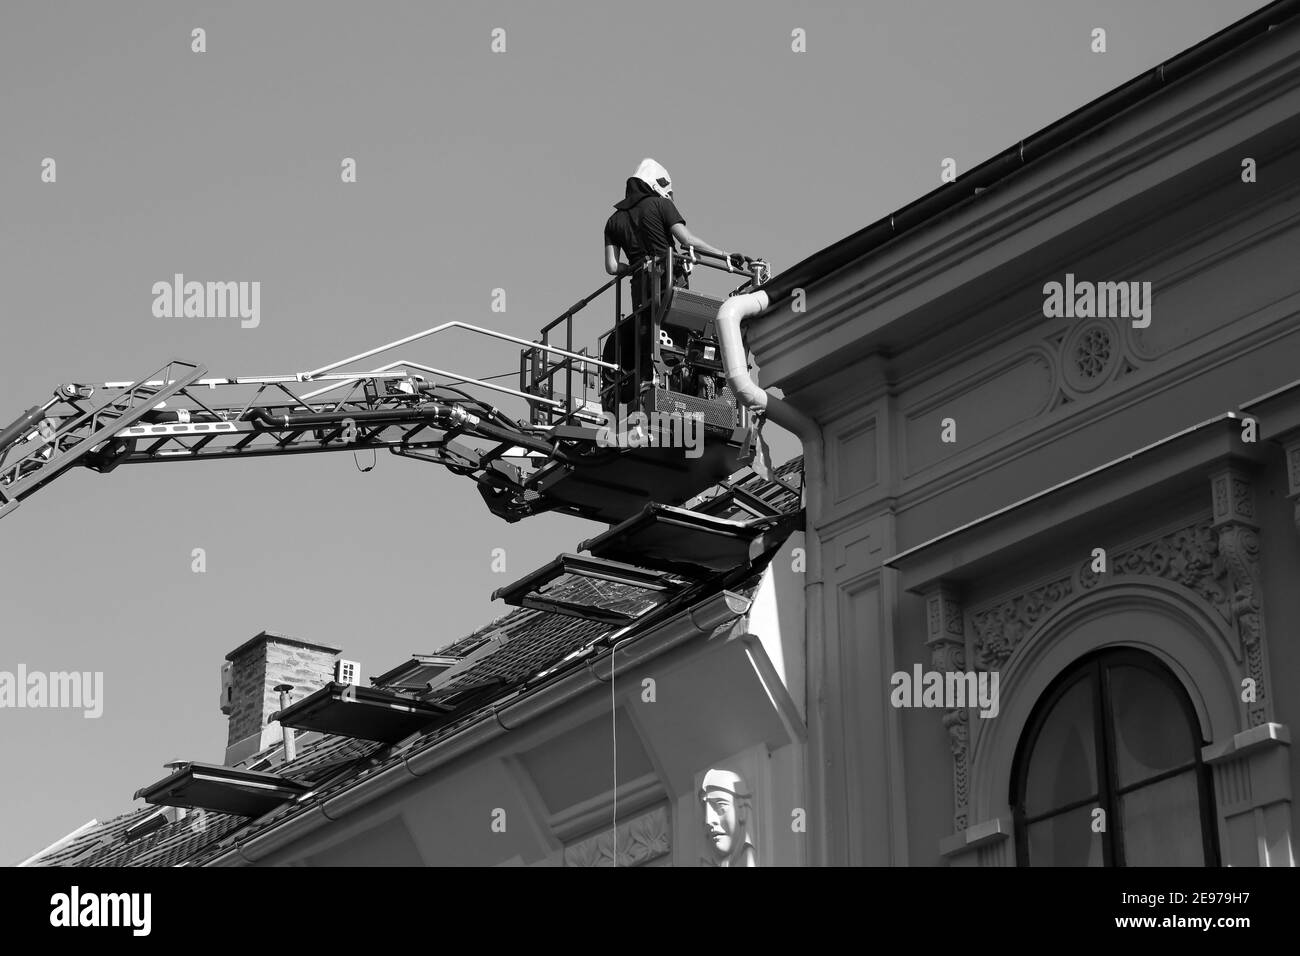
x,y
735,364
1084,120
696,621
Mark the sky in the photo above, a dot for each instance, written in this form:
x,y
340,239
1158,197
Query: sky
x,y
476,170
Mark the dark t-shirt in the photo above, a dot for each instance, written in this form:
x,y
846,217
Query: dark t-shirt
x,y
653,219
620,232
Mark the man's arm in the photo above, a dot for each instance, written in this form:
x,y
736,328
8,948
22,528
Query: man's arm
x,y
688,238
612,265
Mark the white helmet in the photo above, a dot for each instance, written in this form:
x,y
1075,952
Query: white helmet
x,y
656,177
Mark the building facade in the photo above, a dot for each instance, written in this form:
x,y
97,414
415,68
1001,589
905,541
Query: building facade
x,y
1048,460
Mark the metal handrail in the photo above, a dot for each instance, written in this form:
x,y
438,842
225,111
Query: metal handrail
x,y
758,273
584,302
405,363
529,376
308,376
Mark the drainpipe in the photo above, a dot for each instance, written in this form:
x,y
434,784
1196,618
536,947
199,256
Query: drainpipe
x,y
748,392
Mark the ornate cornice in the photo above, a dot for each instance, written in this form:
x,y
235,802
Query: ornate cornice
x,y
1188,557
1058,194
1003,627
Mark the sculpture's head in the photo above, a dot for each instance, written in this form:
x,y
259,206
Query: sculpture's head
x,y
726,813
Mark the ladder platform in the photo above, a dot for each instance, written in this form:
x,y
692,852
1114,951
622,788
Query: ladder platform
x,y
366,713
205,786
611,488
414,675
666,538
594,589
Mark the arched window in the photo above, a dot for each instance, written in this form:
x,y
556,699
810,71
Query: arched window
x,y
1116,731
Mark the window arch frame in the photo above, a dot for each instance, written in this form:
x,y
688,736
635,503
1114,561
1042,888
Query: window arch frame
x,y
1094,668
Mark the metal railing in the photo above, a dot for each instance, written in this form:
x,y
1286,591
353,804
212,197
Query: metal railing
x,y
538,372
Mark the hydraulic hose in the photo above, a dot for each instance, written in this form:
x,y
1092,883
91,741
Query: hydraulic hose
x,y
441,414
436,411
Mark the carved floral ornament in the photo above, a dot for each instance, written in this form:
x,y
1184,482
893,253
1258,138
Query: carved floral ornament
x,y
1088,356
1189,557
946,638
633,843
1091,353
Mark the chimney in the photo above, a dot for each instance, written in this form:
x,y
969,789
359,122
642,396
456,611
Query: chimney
x,y
250,677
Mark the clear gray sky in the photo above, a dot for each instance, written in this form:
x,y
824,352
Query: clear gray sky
x,y
475,171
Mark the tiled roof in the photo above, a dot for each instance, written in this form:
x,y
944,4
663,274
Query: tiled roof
x,y
333,754
530,644
84,842
534,640
172,844
107,843
463,646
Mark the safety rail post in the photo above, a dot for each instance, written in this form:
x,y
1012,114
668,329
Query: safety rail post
x,y
568,370
616,378
547,376
551,368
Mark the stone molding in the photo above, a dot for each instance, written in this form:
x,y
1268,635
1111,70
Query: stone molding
x,y
946,639
643,838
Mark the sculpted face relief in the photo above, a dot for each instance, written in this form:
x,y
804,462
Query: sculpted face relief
x,y
726,802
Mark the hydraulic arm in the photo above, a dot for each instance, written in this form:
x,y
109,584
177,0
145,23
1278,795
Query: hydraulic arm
x,y
560,454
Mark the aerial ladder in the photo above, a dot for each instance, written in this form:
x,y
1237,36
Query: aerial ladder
x,y
592,435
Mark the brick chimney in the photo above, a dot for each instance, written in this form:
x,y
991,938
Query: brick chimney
x,y
249,678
